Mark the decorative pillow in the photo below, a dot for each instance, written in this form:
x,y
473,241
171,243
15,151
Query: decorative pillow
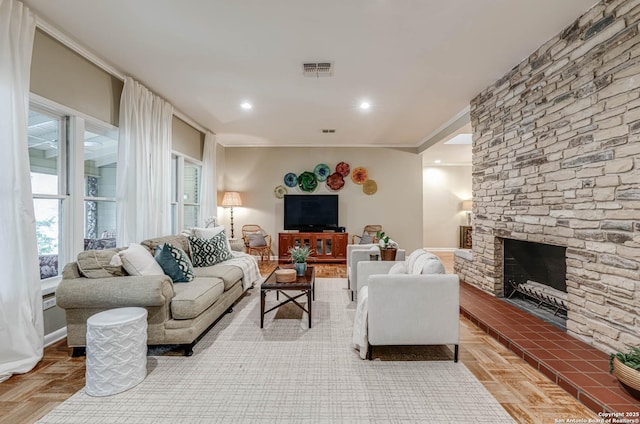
x,y
208,233
398,268
137,260
366,239
411,260
175,263
209,252
256,239
433,266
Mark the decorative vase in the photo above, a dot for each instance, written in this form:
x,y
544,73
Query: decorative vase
x,y
388,253
301,268
628,377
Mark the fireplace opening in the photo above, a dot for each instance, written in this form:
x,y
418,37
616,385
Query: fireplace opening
x,y
535,279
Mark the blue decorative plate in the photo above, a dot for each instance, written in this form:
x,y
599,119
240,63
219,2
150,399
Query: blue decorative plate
x,y
322,171
291,179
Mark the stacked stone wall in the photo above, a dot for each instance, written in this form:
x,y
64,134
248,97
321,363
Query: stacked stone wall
x,y
556,159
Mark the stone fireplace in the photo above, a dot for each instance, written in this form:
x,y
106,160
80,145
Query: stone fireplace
x,y
556,160
543,263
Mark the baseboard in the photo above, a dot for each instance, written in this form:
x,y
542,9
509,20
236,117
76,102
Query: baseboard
x,y
55,336
441,249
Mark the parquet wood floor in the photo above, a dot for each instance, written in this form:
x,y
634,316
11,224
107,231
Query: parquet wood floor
x,y
525,393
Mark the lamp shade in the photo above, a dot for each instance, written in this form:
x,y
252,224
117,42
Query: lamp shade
x,y
231,199
466,205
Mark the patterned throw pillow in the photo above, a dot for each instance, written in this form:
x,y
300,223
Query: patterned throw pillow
x,y
175,263
209,252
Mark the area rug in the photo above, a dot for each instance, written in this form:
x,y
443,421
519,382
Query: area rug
x,y
288,373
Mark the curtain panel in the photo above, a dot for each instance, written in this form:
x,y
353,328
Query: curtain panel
x,y
21,321
143,182
209,197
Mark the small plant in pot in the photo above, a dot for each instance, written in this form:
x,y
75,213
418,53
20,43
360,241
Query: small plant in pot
x,y
388,247
626,368
299,257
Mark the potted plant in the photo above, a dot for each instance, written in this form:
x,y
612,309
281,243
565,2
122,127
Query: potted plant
x,y
299,257
626,368
388,247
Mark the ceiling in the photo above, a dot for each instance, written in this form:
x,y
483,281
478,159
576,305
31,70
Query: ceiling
x,y
418,63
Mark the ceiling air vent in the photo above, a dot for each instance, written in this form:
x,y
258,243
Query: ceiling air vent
x,y
328,131
317,69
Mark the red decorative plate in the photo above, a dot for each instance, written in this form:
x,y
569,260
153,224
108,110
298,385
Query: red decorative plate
x,y
335,181
343,169
359,175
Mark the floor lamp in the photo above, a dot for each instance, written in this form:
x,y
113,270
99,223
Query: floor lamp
x,y
229,200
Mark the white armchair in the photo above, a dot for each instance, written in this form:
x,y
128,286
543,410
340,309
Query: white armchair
x,y
357,253
405,309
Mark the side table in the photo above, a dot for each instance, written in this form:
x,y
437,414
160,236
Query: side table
x,y
116,351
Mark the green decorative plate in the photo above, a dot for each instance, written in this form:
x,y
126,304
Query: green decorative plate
x,y
307,181
322,171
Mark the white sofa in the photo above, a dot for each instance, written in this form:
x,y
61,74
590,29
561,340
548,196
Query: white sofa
x,y
406,309
357,253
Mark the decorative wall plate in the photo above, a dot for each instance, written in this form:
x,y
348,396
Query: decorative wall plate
x,y
291,179
307,181
343,169
322,171
369,187
359,175
335,181
280,191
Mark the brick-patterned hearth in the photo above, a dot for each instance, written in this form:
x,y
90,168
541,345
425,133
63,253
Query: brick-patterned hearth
x,y
556,160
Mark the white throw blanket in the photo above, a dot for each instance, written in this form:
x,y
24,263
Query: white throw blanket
x,y
249,267
360,339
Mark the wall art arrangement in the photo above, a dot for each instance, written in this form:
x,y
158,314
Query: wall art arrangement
x,y
309,181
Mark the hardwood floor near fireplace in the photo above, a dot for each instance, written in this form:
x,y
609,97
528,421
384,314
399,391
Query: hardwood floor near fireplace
x,y
526,393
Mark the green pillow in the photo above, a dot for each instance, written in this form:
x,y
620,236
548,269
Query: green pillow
x,y
175,263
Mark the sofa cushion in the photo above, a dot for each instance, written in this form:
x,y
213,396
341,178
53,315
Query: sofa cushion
x,y
194,298
227,273
96,264
175,263
137,260
209,233
209,252
177,240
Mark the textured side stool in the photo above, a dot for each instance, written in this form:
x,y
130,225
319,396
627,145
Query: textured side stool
x,y
116,351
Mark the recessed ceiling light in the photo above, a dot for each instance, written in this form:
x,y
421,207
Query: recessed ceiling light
x,y
246,105
365,105
437,161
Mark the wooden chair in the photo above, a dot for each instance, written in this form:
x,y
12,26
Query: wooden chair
x,y
369,231
256,240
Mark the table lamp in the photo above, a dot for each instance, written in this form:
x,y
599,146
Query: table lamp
x,y
467,206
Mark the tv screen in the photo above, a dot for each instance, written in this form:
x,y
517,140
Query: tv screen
x,y
311,212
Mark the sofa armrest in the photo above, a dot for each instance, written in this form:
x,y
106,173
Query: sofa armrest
x,y
114,292
414,309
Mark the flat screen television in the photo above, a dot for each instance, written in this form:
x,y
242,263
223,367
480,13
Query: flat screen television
x,y
311,212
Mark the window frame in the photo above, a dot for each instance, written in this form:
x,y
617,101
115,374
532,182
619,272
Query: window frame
x,y
177,189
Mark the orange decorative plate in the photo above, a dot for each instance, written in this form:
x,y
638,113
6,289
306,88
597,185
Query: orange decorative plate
x,y
359,175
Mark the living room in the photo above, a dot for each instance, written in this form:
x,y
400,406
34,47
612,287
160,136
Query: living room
x,y
68,75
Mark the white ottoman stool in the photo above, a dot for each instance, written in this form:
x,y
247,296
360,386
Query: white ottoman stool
x,y
116,351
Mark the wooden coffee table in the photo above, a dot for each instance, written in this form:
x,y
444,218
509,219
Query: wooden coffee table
x,y
305,284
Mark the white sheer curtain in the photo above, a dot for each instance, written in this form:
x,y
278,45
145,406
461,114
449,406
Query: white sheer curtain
x,y
21,324
144,165
209,197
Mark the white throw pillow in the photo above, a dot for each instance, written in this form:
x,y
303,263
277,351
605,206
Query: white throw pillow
x,y
398,268
209,233
413,257
433,266
137,260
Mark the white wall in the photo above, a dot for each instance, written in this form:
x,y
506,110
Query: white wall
x,y
255,172
444,188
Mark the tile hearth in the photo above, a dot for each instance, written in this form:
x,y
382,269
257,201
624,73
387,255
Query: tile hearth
x,y
580,369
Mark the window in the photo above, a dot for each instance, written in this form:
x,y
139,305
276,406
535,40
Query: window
x,y
73,177
186,176
100,158
47,158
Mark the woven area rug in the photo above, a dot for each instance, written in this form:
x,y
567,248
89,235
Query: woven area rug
x,y
288,373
